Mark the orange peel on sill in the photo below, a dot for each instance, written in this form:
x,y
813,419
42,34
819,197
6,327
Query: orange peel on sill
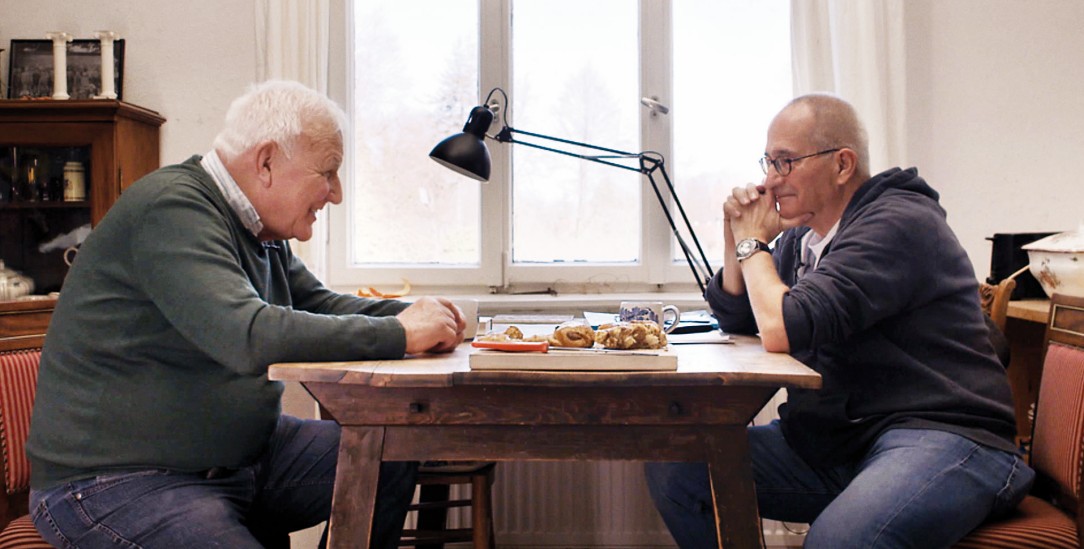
x,y
373,292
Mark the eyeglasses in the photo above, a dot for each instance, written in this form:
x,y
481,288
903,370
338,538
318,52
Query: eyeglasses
x,y
783,166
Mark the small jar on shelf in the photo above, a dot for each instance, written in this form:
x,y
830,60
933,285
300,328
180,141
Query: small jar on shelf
x,y
75,182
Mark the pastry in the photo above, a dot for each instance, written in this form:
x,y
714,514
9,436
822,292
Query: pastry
x,y
573,334
631,335
511,334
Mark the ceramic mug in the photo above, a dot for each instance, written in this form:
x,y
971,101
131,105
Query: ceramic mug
x,y
655,311
469,308
69,255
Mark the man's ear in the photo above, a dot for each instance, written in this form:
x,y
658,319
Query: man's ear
x,y
265,157
846,164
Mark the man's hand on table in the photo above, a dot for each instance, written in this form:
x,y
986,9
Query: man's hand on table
x,y
433,325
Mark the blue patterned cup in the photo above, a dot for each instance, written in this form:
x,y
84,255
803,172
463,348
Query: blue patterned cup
x,y
666,316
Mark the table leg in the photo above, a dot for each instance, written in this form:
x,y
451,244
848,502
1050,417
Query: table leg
x,y
737,521
1025,368
357,474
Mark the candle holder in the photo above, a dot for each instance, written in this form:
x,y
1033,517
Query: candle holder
x,y
3,88
60,63
108,88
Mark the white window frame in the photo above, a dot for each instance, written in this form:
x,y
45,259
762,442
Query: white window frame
x,y
655,271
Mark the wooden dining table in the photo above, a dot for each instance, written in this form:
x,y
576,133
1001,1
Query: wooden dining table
x,y
434,407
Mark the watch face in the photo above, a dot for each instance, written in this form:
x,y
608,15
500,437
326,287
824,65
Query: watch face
x,y
746,247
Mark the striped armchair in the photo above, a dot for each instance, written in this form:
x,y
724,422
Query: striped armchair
x,y
18,380
1052,516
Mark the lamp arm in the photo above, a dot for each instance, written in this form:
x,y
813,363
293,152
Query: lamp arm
x,y
506,132
658,163
701,272
599,160
647,165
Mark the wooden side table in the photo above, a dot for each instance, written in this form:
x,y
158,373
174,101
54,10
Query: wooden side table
x,y
1024,328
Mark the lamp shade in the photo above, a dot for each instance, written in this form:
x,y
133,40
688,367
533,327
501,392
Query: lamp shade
x,y
466,153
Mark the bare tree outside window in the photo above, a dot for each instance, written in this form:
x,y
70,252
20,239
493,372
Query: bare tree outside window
x,y
417,78
582,87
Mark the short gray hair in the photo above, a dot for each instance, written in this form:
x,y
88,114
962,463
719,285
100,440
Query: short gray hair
x,y
279,111
836,124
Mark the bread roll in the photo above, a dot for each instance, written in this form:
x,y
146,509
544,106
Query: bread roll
x,y
573,334
637,334
511,334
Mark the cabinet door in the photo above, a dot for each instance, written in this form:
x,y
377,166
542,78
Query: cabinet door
x,y
116,143
135,149
58,138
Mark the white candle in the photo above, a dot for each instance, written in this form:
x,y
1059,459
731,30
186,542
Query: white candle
x,y
109,90
60,63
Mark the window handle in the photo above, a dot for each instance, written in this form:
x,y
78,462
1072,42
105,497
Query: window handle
x,y
653,104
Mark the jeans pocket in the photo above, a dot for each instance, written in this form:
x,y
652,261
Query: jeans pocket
x,y
46,524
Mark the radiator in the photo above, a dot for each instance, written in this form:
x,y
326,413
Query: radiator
x,y
589,504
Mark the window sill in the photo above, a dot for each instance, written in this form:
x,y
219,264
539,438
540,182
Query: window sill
x,y
576,304
556,303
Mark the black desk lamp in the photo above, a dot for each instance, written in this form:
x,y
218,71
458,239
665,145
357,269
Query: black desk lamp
x,y
466,153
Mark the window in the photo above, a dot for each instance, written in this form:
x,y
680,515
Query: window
x,y
574,70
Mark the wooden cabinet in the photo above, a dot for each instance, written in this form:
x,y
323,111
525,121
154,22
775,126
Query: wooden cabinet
x,y
116,143
23,323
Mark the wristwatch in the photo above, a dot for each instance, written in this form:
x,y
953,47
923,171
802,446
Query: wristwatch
x,y
746,248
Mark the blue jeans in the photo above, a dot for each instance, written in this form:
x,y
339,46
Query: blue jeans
x,y
289,488
914,488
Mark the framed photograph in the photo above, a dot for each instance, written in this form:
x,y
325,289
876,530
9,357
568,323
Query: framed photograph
x,y
30,68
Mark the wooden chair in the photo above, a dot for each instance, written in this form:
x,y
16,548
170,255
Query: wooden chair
x,y
18,380
995,298
1052,515
435,481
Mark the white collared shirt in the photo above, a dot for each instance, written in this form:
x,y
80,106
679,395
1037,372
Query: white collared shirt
x,y
813,246
234,196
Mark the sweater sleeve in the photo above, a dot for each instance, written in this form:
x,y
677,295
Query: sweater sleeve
x,y
191,268
734,313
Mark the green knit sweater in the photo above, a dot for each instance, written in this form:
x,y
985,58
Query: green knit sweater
x,y
158,350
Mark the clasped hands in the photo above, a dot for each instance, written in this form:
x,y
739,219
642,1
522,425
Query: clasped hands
x,y
751,212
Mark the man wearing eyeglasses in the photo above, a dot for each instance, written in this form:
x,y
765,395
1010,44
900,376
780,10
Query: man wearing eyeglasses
x,y
910,441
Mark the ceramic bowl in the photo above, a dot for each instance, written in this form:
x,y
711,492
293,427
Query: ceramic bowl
x,y
13,284
1057,262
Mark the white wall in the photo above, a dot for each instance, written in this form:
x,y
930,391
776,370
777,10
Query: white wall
x,y
996,114
186,60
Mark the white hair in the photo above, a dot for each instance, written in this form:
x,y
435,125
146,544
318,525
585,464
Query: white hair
x,y
279,111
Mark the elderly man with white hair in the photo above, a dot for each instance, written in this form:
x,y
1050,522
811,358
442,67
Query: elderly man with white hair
x,y
155,424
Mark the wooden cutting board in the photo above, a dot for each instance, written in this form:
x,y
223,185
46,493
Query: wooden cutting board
x,y
655,359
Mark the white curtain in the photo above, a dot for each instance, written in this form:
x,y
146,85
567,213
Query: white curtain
x,y
855,49
292,43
